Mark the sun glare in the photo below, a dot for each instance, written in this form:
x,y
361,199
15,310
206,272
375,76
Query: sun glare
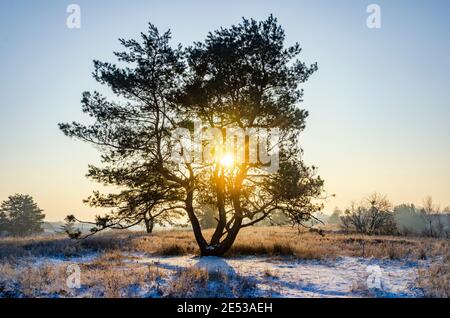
x,y
227,160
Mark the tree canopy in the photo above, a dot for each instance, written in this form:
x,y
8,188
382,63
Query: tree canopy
x,y
20,216
242,77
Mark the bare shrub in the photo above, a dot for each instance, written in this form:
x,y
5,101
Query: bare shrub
x,y
373,216
437,221
429,211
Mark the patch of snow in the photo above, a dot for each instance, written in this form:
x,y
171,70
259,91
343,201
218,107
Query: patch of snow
x,y
285,277
60,260
277,276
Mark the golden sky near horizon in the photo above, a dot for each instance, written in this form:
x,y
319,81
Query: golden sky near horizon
x,y
379,103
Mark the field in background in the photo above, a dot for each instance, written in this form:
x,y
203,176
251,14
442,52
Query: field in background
x,y
264,261
272,241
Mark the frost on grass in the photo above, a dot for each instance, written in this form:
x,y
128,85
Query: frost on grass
x,y
196,282
288,277
435,280
144,275
265,262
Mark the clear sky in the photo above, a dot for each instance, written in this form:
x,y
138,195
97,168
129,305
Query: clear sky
x,y
379,104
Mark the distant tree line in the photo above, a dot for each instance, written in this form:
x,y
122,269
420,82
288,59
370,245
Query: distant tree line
x,y
20,216
376,215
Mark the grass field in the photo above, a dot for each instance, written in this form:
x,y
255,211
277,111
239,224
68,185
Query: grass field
x,y
264,262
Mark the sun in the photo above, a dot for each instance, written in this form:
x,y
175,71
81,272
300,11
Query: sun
x,y
227,160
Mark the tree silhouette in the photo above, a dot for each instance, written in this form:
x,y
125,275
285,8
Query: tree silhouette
x,y
146,199
20,216
373,216
431,213
241,76
3,222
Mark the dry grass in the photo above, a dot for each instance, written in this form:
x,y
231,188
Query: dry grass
x,y
272,241
125,282
435,281
101,278
59,245
307,245
114,274
195,282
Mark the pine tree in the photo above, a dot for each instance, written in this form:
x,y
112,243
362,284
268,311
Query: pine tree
x,y
243,76
20,216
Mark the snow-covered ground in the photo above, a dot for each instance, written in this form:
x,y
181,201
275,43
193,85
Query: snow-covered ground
x,y
283,277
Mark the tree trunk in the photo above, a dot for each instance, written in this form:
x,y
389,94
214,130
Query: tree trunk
x,y
222,214
221,248
149,223
213,249
196,228
217,247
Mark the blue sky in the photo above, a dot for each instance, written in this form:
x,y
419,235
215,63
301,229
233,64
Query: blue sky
x,y
379,104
